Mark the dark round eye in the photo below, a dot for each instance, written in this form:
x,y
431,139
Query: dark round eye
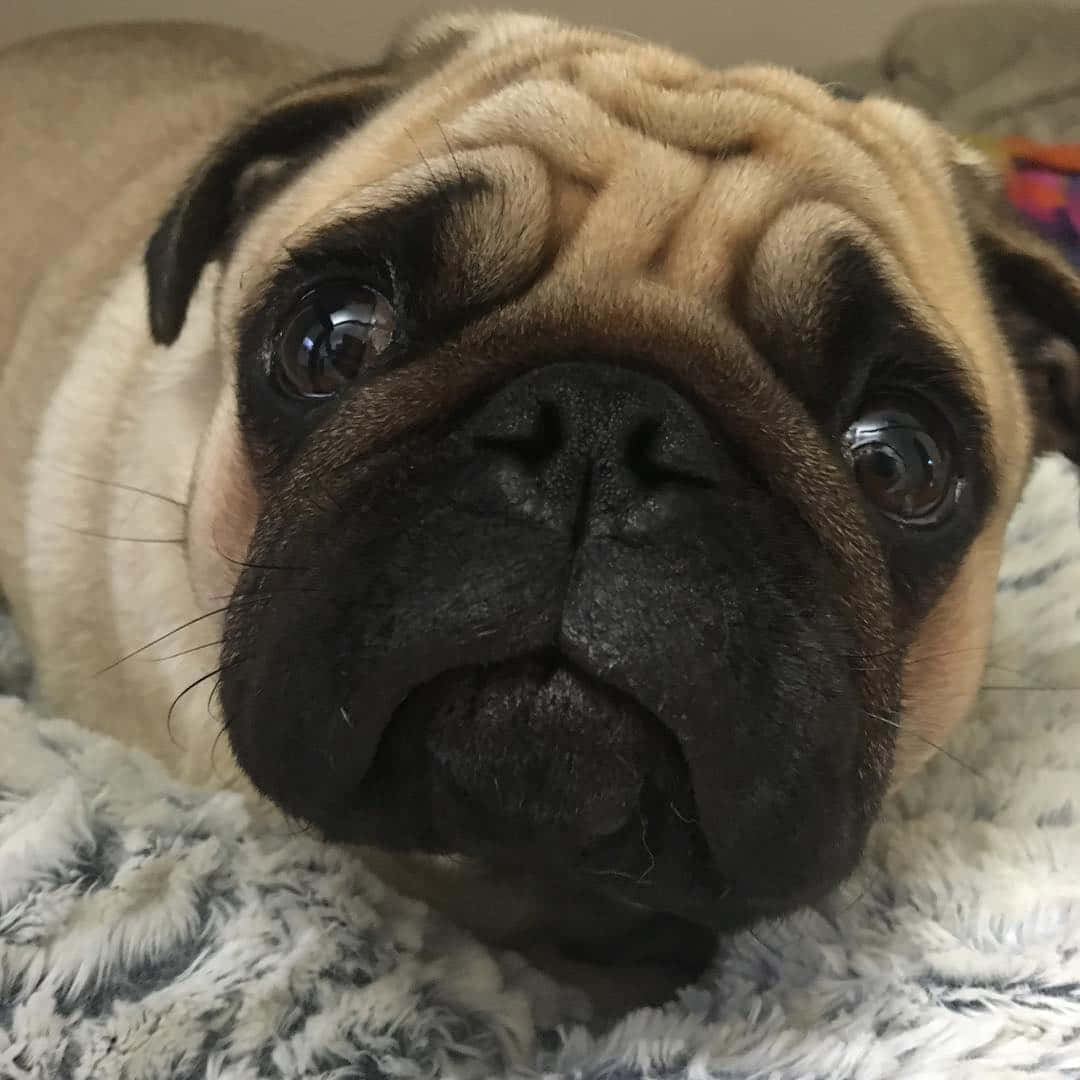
x,y
335,332
903,458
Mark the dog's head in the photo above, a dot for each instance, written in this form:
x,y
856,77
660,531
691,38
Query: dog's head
x,y
621,452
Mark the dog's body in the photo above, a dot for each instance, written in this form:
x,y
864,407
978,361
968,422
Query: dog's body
x,y
100,129
648,302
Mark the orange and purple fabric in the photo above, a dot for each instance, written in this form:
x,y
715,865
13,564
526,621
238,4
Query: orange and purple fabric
x,y
1042,181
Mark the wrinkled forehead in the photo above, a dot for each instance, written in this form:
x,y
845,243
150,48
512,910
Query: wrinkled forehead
x,y
617,161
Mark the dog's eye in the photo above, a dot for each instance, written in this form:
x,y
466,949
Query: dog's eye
x,y
335,332
903,458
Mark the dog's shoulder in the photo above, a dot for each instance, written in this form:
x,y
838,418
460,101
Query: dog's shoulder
x,y
135,55
97,93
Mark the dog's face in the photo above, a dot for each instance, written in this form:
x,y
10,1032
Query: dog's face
x,y
621,452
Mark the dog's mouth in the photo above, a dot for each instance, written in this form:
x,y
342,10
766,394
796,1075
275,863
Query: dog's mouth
x,y
537,766
538,744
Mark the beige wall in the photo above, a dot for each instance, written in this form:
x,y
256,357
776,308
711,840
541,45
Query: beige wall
x,y
799,32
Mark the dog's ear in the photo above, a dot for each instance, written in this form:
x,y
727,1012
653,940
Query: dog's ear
x,y
1036,294
262,153
244,166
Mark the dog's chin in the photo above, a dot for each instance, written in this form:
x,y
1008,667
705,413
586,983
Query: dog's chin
x,y
543,772
540,770
530,751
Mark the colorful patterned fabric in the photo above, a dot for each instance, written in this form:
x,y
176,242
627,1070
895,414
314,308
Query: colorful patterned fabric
x,y
1043,183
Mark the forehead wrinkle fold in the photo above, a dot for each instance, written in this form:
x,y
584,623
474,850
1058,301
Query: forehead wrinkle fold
x,y
635,215
907,149
756,104
710,120
574,134
787,283
717,122
489,64
911,168
579,138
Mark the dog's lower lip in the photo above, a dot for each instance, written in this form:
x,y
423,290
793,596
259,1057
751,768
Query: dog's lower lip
x,y
653,857
558,738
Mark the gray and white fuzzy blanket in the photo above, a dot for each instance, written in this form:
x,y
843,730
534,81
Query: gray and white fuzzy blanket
x,y
149,930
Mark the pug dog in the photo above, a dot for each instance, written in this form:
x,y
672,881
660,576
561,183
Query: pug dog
x,y
573,475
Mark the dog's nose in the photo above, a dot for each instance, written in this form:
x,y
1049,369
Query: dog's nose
x,y
592,449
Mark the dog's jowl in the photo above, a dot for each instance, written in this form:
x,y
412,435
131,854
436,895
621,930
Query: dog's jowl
x,y
572,474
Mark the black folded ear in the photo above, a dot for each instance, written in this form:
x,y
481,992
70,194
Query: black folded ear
x,y
1036,293
228,184
265,151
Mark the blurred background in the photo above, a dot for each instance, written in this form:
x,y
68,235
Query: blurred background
x,y
802,33
990,70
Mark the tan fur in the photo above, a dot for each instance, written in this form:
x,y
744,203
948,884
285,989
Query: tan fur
x,y
654,184
100,128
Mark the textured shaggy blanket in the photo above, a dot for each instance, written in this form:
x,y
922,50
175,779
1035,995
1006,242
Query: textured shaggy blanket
x,y
152,931
148,930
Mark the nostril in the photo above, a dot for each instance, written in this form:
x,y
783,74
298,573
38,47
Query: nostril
x,y
533,444
657,465
640,446
549,427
